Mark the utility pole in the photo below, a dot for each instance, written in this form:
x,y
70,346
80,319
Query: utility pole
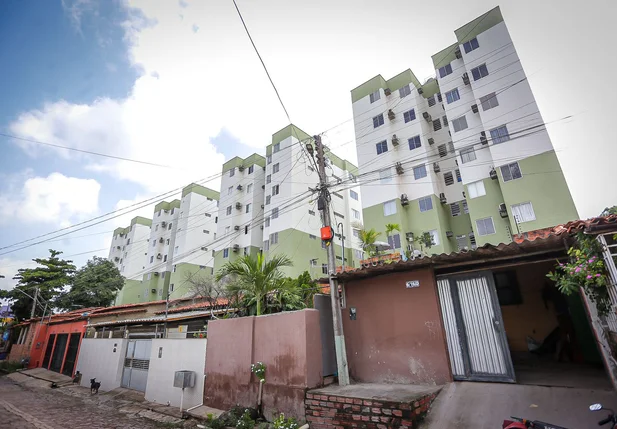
x,y
339,337
36,294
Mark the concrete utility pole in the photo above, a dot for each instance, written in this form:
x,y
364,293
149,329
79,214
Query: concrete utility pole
x,y
36,294
339,337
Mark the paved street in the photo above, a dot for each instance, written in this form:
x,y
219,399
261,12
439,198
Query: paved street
x,y
44,408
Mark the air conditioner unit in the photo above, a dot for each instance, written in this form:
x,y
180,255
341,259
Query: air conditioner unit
x,y
409,236
153,290
262,206
163,224
457,54
239,187
166,211
387,91
118,247
442,198
493,174
159,256
483,139
391,115
426,116
399,168
204,248
420,91
238,206
241,168
474,108
116,259
236,248
156,273
394,140
404,200
449,234
503,211
263,186
161,240
465,78
436,167
261,227
431,141
237,228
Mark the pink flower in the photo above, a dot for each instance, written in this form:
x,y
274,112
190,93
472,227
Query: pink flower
x,y
598,275
589,277
590,261
578,270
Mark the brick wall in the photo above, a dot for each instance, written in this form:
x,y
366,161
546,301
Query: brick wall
x,y
325,412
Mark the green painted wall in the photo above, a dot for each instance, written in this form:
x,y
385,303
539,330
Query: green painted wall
x,y
165,205
120,231
248,161
289,131
180,278
200,190
459,225
130,292
487,206
141,221
445,56
430,88
544,184
478,25
404,78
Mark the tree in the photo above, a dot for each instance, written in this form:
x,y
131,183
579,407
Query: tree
x,y
216,294
254,277
609,211
293,294
390,228
49,278
368,239
94,285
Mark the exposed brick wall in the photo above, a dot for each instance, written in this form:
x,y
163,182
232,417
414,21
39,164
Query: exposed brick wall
x,y
325,412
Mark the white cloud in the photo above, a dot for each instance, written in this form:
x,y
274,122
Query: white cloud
x,y
8,269
56,199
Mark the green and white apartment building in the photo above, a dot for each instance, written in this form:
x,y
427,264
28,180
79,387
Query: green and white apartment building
x,y
465,156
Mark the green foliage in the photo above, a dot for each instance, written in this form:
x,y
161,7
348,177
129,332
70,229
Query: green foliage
x,y
425,240
282,423
245,422
585,269
368,239
50,277
609,211
94,285
391,227
6,366
254,278
259,369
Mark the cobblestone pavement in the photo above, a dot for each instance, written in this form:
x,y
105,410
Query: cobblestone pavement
x,y
44,408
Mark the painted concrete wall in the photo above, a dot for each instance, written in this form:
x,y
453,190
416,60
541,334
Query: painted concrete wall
x,y
102,359
289,344
397,336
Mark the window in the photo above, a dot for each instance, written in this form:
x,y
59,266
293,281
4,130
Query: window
x,y
248,207
404,91
385,176
455,209
450,147
226,252
471,45
485,226
443,150
448,178
355,213
358,254
431,101
476,189
435,236
149,276
251,169
439,98
375,96
276,148
409,115
382,147
336,194
500,134
128,241
489,101
479,72
355,232
163,274
232,172
339,215
174,268
458,175
395,241
227,229
445,121
468,155
459,124
268,197
378,120
275,190
176,249
268,221
165,258
523,212
169,227
414,142
452,96
465,207
151,259
268,179
156,228
323,244
275,168
324,268
275,213
511,172
425,204
445,70
269,159
353,194
228,211
274,238
419,171
508,291
249,188
312,237
208,214
206,231
154,243
436,125
389,208
266,245
312,212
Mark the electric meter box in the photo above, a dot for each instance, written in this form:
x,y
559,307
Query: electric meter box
x,y
184,379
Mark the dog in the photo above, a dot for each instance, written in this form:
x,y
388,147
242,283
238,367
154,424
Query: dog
x,y
94,386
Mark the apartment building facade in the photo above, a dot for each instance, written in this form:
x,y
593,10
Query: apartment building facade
x,y
466,156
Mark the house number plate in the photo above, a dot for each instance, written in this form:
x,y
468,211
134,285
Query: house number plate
x,y
412,284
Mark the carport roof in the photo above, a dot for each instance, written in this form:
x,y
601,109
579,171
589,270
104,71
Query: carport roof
x,y
153,319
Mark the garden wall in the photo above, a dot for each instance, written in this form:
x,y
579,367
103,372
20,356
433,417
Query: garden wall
x,y
289,344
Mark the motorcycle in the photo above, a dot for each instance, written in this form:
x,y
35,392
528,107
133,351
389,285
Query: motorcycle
x,y
518,423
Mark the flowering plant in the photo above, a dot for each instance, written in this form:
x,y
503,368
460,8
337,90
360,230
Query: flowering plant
x,y
282,423
259,369
585,269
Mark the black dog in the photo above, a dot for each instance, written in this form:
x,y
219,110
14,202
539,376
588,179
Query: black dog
x,y
94,386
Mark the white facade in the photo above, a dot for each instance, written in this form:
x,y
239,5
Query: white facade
x,y
162,241
128,246
102,359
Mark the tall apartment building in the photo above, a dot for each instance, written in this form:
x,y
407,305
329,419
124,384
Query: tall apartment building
x,y
175,249
466,156
127,252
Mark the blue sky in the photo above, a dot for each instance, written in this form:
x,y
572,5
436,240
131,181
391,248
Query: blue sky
x,y
178,83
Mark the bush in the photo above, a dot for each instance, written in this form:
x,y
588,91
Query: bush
x,y
246,422
6,366
282,423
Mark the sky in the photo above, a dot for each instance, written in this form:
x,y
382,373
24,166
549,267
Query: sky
x,y
178,84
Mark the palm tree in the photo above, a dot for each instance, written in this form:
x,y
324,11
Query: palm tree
x,y
368,239
254,277
390,228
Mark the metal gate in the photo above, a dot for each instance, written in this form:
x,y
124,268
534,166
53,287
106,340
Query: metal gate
x,y
136,365
476,338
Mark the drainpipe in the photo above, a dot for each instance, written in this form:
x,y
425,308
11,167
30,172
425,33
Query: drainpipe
x,y
202,398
